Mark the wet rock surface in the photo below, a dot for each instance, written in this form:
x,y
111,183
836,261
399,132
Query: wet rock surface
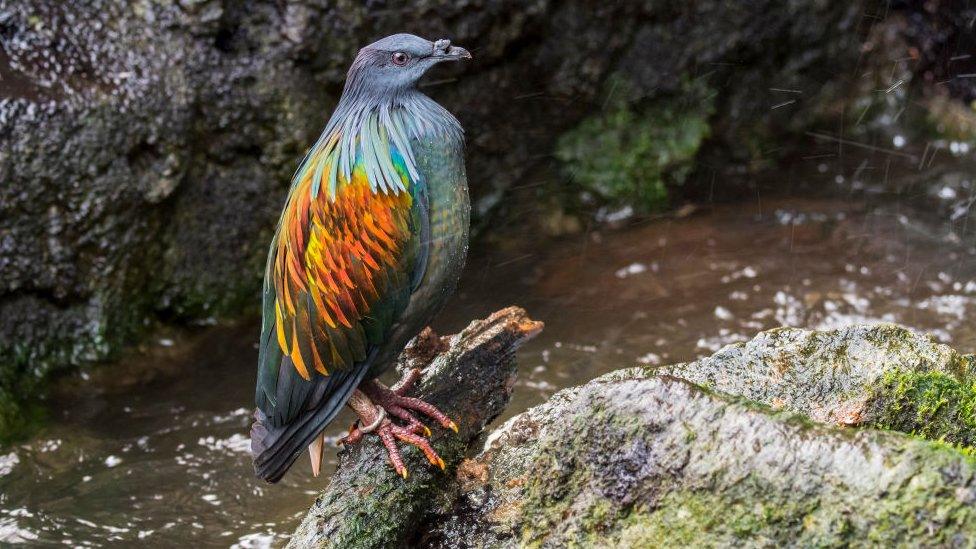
x,y
640,457
637,460
882,376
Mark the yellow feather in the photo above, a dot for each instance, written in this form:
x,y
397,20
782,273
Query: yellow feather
x,y
296,357
280,327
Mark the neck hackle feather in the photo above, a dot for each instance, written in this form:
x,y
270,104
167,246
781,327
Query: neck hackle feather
x,y
375,134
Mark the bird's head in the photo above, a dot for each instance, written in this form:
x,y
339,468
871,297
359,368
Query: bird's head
x,y
396,63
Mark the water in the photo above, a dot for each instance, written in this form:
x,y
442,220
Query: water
x,y
153,449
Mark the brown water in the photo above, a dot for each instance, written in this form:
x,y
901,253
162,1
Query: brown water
x,y
154,450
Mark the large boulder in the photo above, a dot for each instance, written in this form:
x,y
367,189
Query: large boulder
x,y
638,460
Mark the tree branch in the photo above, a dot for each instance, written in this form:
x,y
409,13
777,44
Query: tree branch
x,y
366,504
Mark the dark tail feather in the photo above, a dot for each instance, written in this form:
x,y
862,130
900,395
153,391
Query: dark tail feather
x,y
275,449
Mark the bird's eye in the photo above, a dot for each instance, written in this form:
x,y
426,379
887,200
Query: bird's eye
x,y
400,59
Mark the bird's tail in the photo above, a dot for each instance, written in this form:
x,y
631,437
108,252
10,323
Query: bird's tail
x,y
275,448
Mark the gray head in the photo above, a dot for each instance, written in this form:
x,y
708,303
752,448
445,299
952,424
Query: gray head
x,y
393,65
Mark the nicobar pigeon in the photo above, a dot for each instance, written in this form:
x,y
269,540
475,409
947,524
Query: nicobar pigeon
x,y
373,236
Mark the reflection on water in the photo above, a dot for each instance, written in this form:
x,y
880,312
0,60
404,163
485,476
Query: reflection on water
x,y
162,458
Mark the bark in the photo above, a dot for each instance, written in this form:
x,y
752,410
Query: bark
x,y
366,504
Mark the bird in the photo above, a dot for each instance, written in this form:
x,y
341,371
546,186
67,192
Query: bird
x,y
368,248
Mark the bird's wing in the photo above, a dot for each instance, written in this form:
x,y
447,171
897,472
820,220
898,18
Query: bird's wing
x,y
347,254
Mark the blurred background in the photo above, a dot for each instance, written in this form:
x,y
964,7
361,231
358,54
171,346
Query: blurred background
x,y
652,179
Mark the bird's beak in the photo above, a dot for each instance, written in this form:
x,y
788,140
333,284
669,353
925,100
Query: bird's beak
x,y
457,52
444,51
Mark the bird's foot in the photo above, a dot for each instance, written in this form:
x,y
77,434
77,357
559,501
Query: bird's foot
x,y
376,404
396,403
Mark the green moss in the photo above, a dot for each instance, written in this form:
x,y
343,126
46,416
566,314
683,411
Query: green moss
x,y
754,513
688,518
19,419
569,501
633,151
192,301
932,405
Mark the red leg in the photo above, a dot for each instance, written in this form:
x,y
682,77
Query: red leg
x,y
406,382
413,424
375,404
388,398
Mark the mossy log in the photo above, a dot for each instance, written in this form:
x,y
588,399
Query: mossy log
x,y
366,504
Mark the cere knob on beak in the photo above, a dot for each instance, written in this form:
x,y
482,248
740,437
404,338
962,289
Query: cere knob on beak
x,y
444,49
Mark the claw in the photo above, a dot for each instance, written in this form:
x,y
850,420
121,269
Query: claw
x,y
421,443
452,426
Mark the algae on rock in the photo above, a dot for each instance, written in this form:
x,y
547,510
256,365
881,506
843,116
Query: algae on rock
x,y
883,376
633,459
630,154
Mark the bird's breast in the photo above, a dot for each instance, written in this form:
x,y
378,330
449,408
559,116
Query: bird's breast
x,y
441,164
450,208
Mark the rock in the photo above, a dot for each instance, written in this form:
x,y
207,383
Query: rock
x,y
638,460
881,376
366,504
641,458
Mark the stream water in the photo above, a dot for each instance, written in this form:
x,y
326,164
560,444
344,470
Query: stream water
x,y
153,450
